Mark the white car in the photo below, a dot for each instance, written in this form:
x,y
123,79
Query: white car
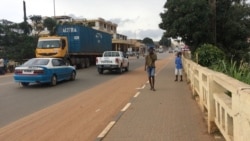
x,y
160,50
112,60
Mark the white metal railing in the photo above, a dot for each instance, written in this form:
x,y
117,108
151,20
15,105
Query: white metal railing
x,y
224,100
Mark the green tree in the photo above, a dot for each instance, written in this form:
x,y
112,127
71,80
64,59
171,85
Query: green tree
x,y
21,50
25,27
198,21
148,41
9,37
16,45
165,41
188,19
50,24
37,22
233,28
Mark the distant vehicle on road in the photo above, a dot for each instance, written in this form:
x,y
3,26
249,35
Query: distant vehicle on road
x,y
44,70
170,50
185,48
160,50
112,60
177,50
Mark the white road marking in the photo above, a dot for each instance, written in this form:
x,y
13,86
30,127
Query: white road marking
x,y
141,87
137,94
105,131
126,107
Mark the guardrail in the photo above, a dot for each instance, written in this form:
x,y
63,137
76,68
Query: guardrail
x,y
224,100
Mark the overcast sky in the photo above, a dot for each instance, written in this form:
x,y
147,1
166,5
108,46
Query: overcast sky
x,y
135,18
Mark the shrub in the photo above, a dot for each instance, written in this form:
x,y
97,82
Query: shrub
x,y
208,55
240,71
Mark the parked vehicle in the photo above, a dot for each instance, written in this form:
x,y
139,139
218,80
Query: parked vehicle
x,y
44,70
112,60
77,44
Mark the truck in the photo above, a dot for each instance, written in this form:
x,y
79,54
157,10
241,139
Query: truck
x,y
112,61
78,45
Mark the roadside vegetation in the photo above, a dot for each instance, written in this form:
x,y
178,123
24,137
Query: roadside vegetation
x,y
18,40
212,57
217,33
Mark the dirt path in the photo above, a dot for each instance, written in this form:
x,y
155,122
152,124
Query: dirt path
x,y
82,117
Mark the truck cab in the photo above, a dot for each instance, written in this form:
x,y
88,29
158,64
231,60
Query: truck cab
x,y
52,46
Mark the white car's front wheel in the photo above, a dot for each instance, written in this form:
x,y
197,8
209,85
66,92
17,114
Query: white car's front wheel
x,y
100,70
127,68
119,70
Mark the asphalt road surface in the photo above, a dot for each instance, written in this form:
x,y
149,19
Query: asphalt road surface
x,y
77,110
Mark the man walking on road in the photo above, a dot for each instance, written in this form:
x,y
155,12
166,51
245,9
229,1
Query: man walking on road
x,y
150,67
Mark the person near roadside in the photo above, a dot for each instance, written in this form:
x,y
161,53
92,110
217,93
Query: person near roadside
x,y
178,66
150,67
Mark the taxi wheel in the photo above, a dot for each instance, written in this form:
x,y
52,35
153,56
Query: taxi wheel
x,y
53,80
73,75
25,84
87,63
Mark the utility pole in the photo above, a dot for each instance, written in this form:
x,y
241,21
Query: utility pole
x,y
24,12
54,8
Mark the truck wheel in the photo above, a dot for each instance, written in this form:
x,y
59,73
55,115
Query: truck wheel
x,y
100,71
87,63
25,84
53,81
82,63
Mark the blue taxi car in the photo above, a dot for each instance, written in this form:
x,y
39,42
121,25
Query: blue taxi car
x,y
44,70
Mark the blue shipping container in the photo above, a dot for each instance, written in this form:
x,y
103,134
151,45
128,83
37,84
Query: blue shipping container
x,y
83,39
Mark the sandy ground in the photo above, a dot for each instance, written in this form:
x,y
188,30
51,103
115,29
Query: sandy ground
x,y
82,117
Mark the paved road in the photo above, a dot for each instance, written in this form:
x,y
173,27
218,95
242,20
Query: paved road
x,y
168,114
79,117
17,102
